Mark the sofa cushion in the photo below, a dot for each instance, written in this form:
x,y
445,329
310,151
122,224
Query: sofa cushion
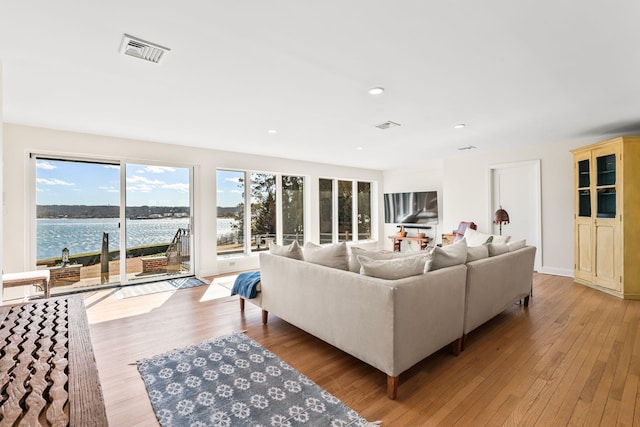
x,y
292,250
497,249
354,264
392,269
477,238
518,244
334,256
448,255
477,252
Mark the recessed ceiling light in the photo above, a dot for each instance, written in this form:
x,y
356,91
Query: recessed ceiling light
x,y
376,90
272,131
459,126
359,148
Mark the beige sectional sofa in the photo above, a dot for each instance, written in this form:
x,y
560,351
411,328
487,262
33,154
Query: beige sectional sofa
x,y
393,324
389,324
495,283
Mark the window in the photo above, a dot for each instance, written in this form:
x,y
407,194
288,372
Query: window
x,y
78,209
115,222
364,210
292,209
263,210
230,219
326,211
273,206
345,210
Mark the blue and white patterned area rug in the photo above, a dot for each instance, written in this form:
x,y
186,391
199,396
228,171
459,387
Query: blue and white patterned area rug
x,y
160,286
233,381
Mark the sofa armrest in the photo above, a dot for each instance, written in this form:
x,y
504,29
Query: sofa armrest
x,y
494,283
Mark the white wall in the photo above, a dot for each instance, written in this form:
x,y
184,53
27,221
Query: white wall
x,y
20,141
467,194
427,178
465,183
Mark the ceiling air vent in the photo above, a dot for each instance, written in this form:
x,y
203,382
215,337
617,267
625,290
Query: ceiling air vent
x,y
388,124
141,49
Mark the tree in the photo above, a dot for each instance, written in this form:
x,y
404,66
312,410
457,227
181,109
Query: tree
x,y
345,210
263,204
292,209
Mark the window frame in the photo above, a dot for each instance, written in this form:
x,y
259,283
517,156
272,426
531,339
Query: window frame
x,y
335,238
247,247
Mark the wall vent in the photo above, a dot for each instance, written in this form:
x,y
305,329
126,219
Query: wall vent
x,y
388,124
141,49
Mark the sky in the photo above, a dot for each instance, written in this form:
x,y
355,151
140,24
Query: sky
x,y
60,182
230,193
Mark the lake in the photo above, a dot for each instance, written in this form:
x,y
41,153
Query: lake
x,y
85,235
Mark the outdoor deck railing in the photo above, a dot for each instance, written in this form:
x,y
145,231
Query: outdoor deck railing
x,y
179,251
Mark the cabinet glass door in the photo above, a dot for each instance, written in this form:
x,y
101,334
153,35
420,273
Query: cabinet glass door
x,y
606,186
584,193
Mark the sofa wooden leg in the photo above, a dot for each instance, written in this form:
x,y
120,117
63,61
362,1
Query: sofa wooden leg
x,y
265,316
241,304
456,347
392,386
463,342
526,301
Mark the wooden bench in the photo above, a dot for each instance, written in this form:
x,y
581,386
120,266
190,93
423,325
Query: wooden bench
x,y
48,373
39,278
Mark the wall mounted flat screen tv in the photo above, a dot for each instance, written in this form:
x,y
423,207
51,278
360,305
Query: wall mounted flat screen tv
x,y
419,207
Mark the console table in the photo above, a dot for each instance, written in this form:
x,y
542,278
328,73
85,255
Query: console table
x,y
397,242
39,278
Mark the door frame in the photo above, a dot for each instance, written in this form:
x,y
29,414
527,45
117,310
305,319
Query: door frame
x,y
122,163
124,280
537,198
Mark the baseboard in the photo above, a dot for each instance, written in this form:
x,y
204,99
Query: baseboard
x,y
556,271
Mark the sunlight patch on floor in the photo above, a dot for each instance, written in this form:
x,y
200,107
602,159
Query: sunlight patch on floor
x,y
215,292
220,288
127,307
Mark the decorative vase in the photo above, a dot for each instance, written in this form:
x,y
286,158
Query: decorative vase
x,y
401,233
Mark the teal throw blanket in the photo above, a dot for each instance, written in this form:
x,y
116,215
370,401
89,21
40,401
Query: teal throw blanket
x,y
246,284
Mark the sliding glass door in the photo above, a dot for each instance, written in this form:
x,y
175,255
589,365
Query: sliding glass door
x,y
89,213
158,221
77,222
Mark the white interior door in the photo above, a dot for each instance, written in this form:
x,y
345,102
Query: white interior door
x,y
516,187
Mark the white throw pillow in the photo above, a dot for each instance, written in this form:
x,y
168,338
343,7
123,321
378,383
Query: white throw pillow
x,y
292,250
500,239
354,264
448,255
392,269
497,249
518,244
334,256
477,238
475,253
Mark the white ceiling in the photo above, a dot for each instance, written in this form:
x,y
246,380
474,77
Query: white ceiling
x,y
517,73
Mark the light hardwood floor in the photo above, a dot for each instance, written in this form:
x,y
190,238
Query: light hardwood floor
x,y
571,358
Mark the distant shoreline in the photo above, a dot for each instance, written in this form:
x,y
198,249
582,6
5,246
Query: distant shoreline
x,y
113,212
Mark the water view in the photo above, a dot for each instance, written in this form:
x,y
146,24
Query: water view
x,y
85,235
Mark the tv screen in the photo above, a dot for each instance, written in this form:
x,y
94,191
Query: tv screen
x,y
411,208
